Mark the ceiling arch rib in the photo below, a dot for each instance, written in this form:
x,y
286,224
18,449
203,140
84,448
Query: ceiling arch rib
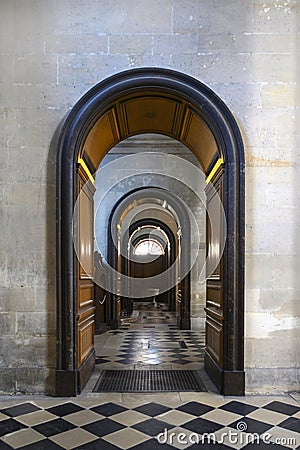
x,y
150,113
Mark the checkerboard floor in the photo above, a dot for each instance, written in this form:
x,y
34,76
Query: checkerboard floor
x,y
152,340
142,421
138,421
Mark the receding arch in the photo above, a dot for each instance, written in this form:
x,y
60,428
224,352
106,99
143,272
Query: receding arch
x,y
161,195
197,117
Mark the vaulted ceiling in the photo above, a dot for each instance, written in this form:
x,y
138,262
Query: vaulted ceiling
x,y
150,112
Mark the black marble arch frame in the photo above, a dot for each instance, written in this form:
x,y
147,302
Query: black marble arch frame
x,y
72,135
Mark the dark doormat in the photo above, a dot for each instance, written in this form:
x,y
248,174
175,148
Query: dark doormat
x,y
149,381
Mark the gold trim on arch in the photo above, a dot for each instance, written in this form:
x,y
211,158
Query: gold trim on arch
x,y
86,169
214,169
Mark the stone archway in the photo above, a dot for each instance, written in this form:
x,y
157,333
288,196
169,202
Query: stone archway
x,y
175,104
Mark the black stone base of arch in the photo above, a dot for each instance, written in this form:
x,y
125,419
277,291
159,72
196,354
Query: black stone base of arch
x,y
185,323
70,383
66,383
114,324
228,383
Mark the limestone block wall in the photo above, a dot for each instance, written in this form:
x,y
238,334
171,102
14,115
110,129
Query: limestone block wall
x,y
51,53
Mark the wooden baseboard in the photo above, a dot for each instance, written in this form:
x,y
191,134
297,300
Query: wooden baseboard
x,y
85,371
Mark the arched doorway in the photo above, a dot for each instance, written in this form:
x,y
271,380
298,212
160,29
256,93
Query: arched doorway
x,y
176,269
165,102
153,237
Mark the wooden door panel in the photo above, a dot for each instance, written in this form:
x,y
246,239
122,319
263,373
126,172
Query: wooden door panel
x,y
86,294
215,279
101,311
85,317
86,331
214,295
86,231
214,338
214,239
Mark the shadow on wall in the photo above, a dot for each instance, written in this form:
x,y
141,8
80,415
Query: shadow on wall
x,y
51,295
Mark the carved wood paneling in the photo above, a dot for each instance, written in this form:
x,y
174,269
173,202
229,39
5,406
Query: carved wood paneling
x,y
215,277
86,332
214,229
197,136
149,114
85,230
214,295
102,137
214,339
85,294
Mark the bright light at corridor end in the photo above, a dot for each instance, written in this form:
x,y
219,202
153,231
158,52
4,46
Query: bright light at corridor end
x,y
164,165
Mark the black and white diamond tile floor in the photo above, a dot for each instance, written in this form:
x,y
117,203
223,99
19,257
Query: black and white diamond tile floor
x,y
194,420
158,343
134,422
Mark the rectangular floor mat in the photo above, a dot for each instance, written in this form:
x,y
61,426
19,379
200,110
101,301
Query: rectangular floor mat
x,y
149,381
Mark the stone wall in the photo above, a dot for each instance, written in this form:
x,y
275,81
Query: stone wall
x,y
51,53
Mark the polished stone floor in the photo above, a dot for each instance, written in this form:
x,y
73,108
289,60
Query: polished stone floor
x,y
149,421
151,339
